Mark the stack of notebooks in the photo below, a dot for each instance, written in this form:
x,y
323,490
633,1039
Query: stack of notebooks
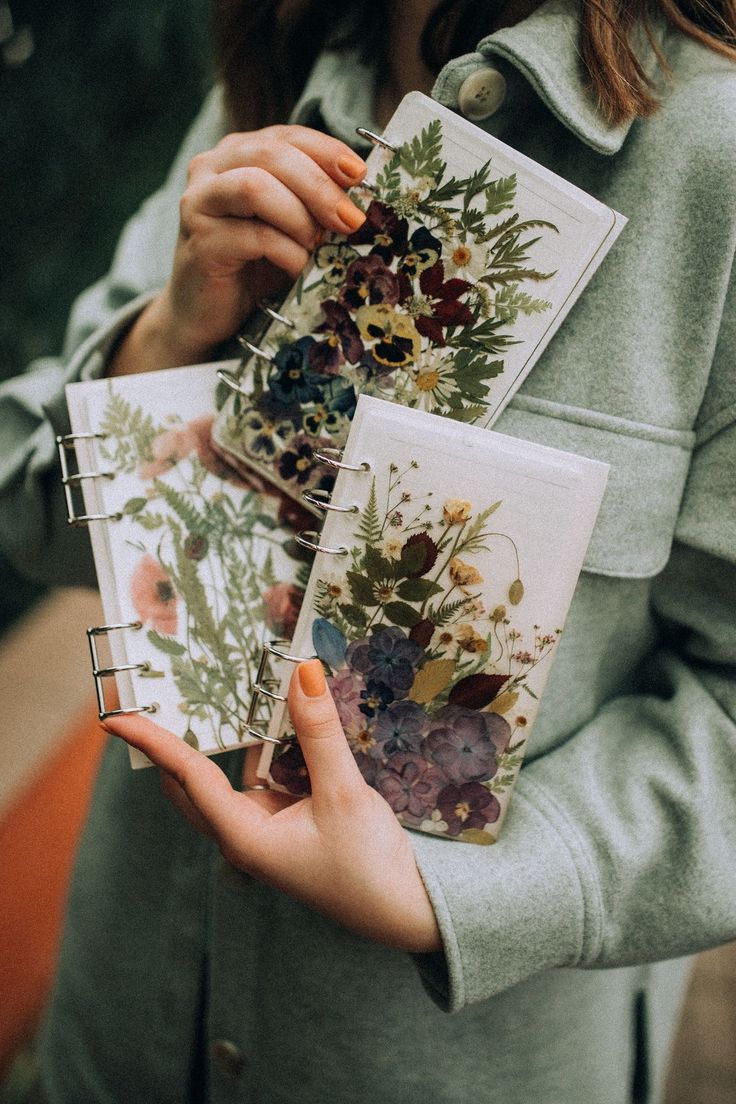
x,y
436,591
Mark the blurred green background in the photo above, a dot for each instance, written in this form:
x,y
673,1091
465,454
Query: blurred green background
x,y
95,97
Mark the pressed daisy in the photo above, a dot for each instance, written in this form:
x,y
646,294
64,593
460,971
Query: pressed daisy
x,y
434,384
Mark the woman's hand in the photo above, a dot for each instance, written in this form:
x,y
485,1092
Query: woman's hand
x,y
254,208
340,851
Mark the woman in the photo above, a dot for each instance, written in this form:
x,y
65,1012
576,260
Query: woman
x,y
184,977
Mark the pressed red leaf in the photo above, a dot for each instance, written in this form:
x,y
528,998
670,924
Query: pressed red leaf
x,y
421,633
476,691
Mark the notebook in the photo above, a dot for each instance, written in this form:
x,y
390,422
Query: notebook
x,y
193,566
444,572
469,259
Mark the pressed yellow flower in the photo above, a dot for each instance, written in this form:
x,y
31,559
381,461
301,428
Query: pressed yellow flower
x,y
397,339
464,575
456,511
498,614
470,640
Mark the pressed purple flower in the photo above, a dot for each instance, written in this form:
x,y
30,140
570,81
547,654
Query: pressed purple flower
x,y
342,340
290,771
297,462
410,785
369,281
293,380
399,728
346,687
375,698
469,805
383,230
464,743
387,658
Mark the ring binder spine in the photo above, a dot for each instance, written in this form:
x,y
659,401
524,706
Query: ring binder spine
x,y
259,691
67,443
99,674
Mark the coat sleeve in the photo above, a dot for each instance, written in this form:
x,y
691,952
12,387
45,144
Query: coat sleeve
x,y
619,845
34,533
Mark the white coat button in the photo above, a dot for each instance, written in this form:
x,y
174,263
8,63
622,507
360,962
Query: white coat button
x,y
481,94
227,1056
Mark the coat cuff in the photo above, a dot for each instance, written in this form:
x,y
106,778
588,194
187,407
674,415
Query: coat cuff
x,y
507,911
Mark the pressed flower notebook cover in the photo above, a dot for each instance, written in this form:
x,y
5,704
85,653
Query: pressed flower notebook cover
x,y
195,561
469,259
438,610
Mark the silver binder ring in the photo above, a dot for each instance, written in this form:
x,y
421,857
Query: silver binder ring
x,y
274,314
260,688
376,139
230,381
321,501
248,730
251,348
333,458
309,538
64,444
270,646
99,674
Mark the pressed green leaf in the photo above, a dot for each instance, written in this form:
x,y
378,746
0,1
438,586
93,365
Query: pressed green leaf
x,y
165,643
399,613
377,566
418,590
135,505
361,589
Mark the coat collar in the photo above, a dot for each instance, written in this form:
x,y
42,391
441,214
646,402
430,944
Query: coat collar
x,y
543,48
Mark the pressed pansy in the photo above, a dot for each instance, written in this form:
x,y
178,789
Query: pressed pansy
x,y
368,280
467,805
394,337
334,258
293,380
297,462
383,230
266,430
341,342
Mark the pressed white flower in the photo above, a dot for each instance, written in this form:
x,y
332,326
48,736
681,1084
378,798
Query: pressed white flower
x,y
465,260
432,384
391,548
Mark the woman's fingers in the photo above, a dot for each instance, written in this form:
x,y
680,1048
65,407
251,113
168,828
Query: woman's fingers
x,y
333,772
307,164
252,192
200,779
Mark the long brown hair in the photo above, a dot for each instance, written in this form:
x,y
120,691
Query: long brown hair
x,y
266,48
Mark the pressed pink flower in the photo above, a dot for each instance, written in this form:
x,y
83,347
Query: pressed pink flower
x,y
153,596
168,449
346,687
283,602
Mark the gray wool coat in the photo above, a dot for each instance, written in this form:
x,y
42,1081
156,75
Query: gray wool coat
x,y
563,944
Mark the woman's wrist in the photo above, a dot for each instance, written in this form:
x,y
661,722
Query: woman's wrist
x,y
155,341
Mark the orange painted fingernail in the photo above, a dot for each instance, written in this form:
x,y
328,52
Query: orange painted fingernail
x,y
348,213
351,166
312,678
